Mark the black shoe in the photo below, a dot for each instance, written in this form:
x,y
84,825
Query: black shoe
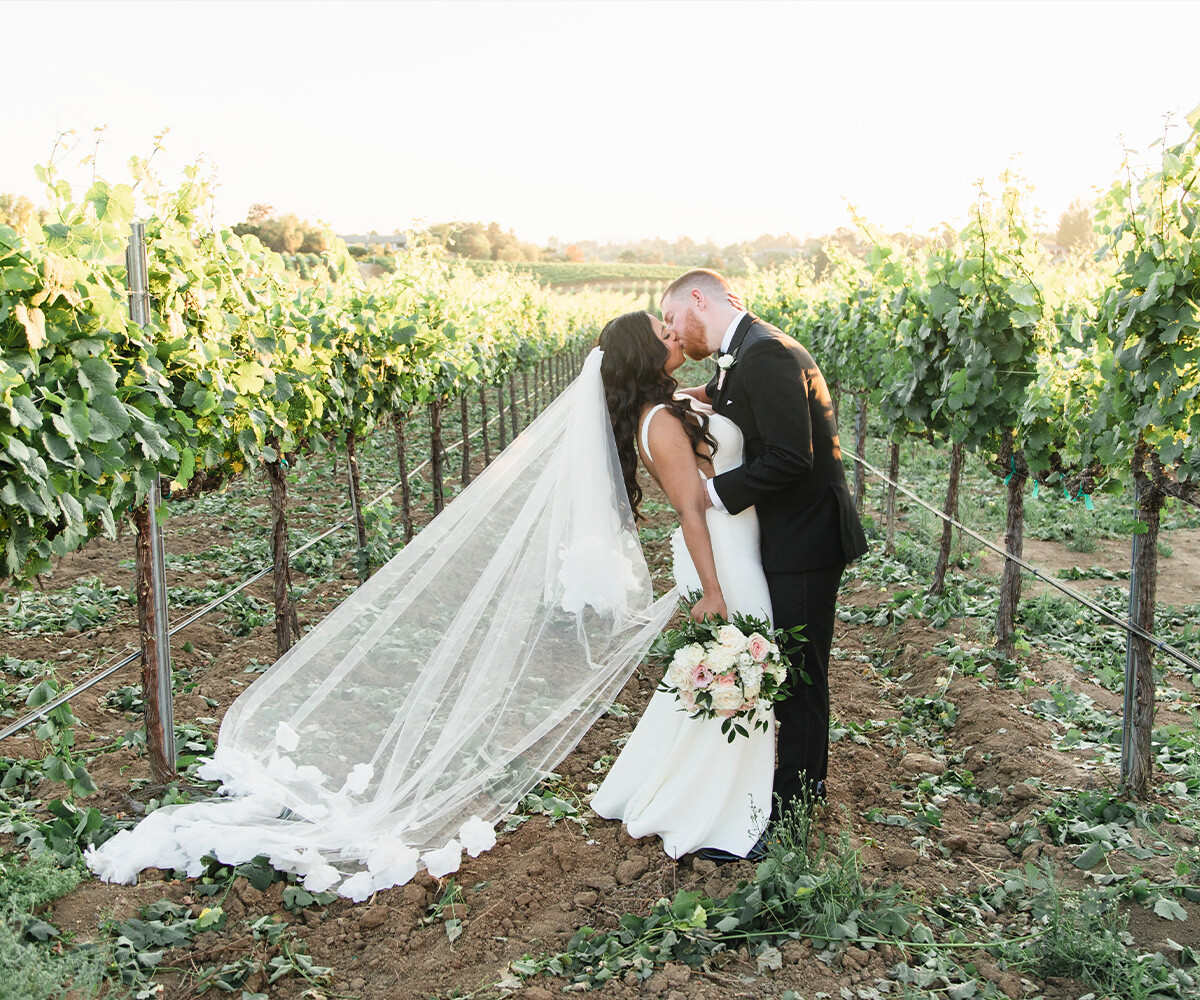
x,y
718,856
760,848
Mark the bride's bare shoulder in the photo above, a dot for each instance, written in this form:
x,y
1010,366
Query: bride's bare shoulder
x,y
658,422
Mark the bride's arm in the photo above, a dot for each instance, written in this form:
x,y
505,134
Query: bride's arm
x,y
676,471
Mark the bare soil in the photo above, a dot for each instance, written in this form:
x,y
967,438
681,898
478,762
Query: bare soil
x,y
1178,573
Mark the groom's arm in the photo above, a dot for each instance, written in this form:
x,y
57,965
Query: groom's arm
x,y
701,392
704,393
775,385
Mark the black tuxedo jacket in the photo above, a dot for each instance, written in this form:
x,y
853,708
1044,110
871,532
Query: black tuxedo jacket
x,y
792,469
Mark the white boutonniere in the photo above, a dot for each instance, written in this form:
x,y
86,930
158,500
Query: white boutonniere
x,y
724,363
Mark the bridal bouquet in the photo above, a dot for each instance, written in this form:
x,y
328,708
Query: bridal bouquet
x,y
732,670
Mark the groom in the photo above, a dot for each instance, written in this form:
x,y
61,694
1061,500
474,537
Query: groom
x,y
769,385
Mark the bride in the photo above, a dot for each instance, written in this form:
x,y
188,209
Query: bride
x,y
399,731
679,777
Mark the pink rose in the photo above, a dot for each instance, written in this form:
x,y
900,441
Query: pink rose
x,y
702,677
759,648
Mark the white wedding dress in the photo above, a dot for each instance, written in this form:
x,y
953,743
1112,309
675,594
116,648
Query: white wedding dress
x,y
678,777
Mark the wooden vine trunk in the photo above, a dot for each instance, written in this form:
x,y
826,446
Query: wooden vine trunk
x,y
1014,544
360,524
528,397
1138,766
951,511
287,626
466,441
487,443
889,545
161,768
437,456
405,490
512,402
860,448
500,412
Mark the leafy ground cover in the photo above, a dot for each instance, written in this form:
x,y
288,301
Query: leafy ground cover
x,y
974,843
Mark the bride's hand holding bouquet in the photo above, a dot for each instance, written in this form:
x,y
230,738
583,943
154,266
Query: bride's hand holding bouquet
x,y
732,670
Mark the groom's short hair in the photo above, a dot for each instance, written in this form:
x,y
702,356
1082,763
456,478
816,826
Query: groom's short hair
x,y
709,282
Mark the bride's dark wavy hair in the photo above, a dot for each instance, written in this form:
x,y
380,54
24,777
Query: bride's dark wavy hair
x,y
634,375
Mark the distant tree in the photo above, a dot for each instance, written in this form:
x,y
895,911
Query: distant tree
x,y
1075,227
476,241
289,235
506,246
314,241
574,254
471,240
814,252
441,233
18,211
259,212
848,240
286,234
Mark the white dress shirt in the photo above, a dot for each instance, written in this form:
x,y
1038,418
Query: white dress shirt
x,y
728,338
725,342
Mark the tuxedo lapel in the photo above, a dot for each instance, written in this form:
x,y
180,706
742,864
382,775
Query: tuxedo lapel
x,y
739,335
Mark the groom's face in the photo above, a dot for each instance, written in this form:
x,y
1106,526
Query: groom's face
x,y
680,316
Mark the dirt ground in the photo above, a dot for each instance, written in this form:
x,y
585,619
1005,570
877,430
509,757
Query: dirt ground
x,y
1178,573
542,882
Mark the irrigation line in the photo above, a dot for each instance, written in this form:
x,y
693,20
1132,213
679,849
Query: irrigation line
x,y
212,605
1075,595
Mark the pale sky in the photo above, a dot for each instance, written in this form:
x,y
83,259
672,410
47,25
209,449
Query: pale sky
x,y
606,121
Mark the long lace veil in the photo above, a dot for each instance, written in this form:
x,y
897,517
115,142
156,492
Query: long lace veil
x,y
398,732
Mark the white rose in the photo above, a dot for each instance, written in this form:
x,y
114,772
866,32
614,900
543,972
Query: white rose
x,y
688,656
678,676
720,660
730,637
726,697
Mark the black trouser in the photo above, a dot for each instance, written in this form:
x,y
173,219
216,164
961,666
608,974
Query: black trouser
x,y
807,599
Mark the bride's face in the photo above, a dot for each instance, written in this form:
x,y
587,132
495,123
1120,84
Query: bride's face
x,y
674,348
